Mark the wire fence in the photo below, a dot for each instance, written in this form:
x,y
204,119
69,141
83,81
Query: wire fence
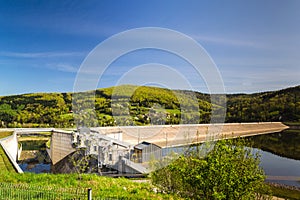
x,y
22,191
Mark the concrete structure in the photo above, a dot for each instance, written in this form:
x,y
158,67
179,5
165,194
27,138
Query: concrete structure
x,y
11,149
114,145
179,135
111,153
108,150
61,145
145,151
119,155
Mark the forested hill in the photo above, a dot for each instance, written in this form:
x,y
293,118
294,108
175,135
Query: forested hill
x,y
281,105
146,105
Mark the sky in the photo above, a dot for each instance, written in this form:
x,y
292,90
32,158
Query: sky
x,y
255,45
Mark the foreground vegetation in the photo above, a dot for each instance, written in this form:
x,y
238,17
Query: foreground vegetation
x,y
145,105
228,171
220,175
109,188
104,187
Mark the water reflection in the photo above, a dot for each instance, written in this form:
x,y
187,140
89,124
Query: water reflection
x,y
35,168
284,144
34,157
279,169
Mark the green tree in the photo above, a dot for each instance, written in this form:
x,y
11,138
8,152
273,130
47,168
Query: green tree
x,y
229,171
7,114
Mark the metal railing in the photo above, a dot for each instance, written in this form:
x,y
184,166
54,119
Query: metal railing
x,y
13,191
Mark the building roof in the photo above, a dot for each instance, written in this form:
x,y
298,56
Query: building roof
x,y
143,145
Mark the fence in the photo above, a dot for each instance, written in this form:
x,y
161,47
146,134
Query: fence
x,y
28,192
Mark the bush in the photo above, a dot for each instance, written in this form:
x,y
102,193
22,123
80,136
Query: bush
x,y
229,171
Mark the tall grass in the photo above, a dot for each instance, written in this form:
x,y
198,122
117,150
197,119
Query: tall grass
x,y
103,187
26,191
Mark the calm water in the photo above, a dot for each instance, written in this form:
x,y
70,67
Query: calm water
x,y
36,168
39,162
282,168
280,156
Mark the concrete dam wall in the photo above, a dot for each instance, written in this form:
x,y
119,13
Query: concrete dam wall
x,y
178,135
61,146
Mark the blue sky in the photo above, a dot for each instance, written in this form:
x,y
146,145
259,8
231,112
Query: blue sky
x,y
255,44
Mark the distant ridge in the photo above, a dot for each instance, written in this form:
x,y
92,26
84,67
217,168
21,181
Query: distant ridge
x,y
137,104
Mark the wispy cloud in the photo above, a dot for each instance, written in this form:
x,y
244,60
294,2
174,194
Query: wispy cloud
x,y
226,41
40,54
63,67
244,79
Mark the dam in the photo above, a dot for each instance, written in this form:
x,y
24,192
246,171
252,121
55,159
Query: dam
x,y
124,148
180,135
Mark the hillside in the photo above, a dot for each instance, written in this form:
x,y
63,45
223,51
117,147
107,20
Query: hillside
x,y
281,105
145,105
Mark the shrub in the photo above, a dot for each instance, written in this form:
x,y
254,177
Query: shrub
x,y
229,171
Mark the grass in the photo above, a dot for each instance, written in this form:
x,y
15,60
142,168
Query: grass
x,y
104,187
48,144
173,111
5,164
110,188
292,123
4,134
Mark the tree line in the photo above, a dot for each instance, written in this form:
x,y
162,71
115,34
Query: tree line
x,y
128,105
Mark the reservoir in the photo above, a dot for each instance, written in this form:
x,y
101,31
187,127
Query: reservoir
x,y
280,156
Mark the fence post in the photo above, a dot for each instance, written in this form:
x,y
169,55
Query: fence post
x,y
90,194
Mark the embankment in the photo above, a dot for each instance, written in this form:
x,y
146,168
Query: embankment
x,y
10,147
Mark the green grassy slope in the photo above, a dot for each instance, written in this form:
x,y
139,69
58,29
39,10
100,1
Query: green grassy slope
x,y
136,105
5,164
104,187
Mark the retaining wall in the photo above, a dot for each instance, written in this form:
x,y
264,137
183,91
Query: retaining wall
x,y
61,146
10,146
